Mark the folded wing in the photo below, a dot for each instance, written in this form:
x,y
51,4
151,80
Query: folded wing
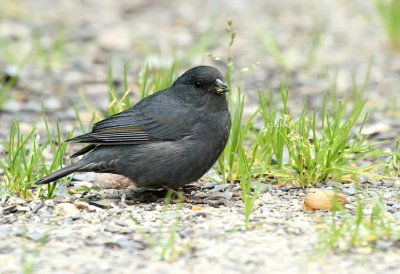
x,y
140,125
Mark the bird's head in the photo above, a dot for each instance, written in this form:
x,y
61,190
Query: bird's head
x,y
204,78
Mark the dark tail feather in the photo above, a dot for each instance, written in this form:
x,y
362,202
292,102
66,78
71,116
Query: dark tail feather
x,y
59,174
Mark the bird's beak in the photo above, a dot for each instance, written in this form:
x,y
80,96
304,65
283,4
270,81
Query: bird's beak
x,y
221,87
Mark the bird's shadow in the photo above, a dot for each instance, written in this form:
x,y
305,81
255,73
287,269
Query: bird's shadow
x,y
132,196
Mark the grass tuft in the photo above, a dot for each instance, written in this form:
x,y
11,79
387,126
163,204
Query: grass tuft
x,y
23,159
369,225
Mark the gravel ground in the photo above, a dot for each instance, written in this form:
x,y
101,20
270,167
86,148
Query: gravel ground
x,y
123,230
67,235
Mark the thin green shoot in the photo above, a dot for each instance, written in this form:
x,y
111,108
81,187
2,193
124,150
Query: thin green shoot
x,y
275,51
345,231
389,15
247,184
165,240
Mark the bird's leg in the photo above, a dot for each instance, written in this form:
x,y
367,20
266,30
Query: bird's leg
x,y
176,193
180,194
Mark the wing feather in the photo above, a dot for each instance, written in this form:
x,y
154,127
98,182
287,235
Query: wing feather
x,y
142,124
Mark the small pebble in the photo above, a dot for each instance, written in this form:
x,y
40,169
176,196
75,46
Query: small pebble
x,y
37,206
220,187
349,189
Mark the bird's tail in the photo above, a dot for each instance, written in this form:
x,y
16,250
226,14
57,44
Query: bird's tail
x,y
59,173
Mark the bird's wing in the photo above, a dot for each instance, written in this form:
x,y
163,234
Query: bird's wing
x,y
141,125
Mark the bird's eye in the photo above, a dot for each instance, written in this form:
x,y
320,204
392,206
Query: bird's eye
x,y
197,84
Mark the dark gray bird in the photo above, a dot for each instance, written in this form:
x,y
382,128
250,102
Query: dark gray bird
x,y
168,139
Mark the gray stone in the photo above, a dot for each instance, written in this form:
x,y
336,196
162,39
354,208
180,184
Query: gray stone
x,y
349,190
220,187
334,184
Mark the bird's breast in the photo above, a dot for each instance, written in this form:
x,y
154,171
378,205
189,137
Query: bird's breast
x,y
212,132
